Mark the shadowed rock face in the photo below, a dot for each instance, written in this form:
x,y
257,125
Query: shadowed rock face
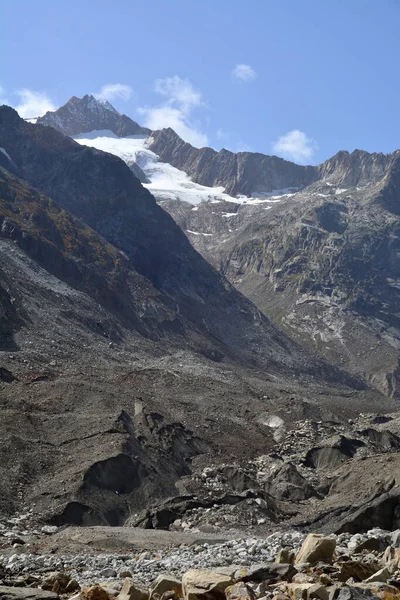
x,y
80,115
247,173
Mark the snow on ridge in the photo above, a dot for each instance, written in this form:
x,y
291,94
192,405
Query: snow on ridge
x,y
167,182
198,233
4,151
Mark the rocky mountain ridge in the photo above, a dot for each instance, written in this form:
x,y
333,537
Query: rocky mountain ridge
x,y
318,257
89,114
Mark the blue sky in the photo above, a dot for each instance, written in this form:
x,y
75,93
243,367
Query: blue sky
x,y
300,78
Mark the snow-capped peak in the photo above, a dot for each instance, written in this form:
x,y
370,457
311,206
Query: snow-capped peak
x,y
90,113
98,104
107,105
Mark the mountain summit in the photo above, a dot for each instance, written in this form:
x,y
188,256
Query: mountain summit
x,y
79,115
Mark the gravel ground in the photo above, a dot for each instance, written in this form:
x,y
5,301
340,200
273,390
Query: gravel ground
x,y
146,565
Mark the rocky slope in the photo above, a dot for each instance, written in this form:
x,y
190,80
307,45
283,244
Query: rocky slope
x,y
321,263
125,356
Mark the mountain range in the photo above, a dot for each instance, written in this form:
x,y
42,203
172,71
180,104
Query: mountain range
x,y
163,306
314,248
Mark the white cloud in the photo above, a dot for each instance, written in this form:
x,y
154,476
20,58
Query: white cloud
x,y
179,91
33,104
180,100
295,145
113,91
244,73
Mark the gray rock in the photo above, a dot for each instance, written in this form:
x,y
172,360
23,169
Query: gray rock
x,y
108,572
12,593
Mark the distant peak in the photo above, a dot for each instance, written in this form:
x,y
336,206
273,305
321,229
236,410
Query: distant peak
x,y
89,113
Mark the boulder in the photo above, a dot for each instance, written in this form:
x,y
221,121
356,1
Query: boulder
x,y
288,484
49,529
348,592
72,586
268,571
163,584
370,544
381,575
205,585
132,591
56,582
285,556
95,592
239,591
391,558
316,548
108,572
304,591
356,569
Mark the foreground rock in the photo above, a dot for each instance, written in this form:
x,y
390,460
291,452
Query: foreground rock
x,y
316,548
15,593
205,585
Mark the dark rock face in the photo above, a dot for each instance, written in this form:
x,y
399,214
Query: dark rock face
x,y
80,115
245,173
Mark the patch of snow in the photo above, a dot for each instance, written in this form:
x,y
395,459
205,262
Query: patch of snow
x,y
167,182
3,151
229,214
96,133
276,193
195,208
340,190
198,233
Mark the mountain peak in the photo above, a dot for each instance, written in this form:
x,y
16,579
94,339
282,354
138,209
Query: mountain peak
x,y
81,115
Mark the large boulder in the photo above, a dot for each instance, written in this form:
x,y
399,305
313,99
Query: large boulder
x,y
288,484
306,591
316,548
205,585
131,591
95,592
269,571
391,558
239,591
165,583
348,592
56,582
356,569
